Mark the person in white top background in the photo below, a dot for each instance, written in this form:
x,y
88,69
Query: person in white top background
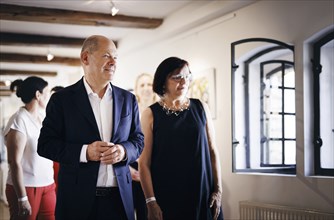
x,y
30,187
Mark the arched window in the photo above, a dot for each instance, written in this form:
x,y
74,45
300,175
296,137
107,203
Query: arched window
x,y
263,106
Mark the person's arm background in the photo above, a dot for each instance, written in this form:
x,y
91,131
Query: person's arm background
x,y
16,142
154,211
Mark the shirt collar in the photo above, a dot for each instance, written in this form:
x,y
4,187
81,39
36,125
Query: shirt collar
x,y
90,91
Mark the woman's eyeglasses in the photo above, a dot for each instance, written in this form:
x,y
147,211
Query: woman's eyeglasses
x,y
179,77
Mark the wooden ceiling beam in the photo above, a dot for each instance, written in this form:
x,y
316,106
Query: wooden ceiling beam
x,y
5,93
60,16
26,72
15,39
4,89
34,59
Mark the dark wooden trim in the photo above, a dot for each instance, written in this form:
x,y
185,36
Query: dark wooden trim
x,y
16,39
24,72
60,16
5,93
34,59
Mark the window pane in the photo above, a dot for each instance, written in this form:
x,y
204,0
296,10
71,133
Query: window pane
x,y
276,79
289,126
273,100
289,101
327,157
240,151
275,152
290,152
289,78
274,126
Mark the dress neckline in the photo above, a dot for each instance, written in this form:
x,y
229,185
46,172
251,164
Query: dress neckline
x,y
174,110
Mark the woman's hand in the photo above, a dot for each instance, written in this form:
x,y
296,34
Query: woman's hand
x,y
24,208
215,204
154,211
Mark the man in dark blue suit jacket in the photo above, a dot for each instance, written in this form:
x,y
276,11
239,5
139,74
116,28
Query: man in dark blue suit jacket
x,y
92,129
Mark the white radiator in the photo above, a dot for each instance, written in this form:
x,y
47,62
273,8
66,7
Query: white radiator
x,y
262,211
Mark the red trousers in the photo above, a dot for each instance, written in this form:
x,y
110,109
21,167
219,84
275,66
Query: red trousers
x,y
55,173
42,201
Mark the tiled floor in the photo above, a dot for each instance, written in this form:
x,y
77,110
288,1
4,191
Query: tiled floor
x,y
4,212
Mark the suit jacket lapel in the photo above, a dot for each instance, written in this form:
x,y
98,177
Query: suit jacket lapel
x,y
117,109
81,99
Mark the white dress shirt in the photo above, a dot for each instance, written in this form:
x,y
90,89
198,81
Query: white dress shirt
x,y
103,109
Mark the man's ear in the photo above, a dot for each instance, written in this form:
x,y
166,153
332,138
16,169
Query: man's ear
x,y
84,57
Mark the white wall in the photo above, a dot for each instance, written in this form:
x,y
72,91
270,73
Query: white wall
x,y
208,45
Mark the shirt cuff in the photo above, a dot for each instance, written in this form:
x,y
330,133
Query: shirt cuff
x,y
126,155
83,157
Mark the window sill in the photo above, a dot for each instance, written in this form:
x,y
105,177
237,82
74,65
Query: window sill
x,y
266,174
320,177
269,171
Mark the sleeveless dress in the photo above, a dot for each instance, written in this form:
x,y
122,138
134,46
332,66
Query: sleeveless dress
x,y
181,165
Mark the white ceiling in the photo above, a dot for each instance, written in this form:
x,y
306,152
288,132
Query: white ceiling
x,y
143,8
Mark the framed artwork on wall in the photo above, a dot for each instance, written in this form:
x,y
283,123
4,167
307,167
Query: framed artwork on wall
x,y
203,87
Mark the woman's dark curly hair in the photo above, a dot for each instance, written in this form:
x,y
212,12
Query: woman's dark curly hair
x,y
26,89
163,71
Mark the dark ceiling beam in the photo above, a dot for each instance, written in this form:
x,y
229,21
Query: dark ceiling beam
x,y
24,72
48,15
34,59
15,39
5,93
4,89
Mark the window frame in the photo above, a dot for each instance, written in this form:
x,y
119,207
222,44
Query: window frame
x,y
235,142
317,69
284,65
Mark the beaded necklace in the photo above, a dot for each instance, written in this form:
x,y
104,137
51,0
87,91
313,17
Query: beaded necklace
x,y
174,110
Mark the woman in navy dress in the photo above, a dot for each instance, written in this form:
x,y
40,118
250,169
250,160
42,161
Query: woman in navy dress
x,y
179,167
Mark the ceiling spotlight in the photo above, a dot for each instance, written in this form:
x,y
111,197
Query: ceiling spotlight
x,y
7,82
113,9
49,56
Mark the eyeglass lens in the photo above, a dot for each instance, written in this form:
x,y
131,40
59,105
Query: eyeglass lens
x,y
179,77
